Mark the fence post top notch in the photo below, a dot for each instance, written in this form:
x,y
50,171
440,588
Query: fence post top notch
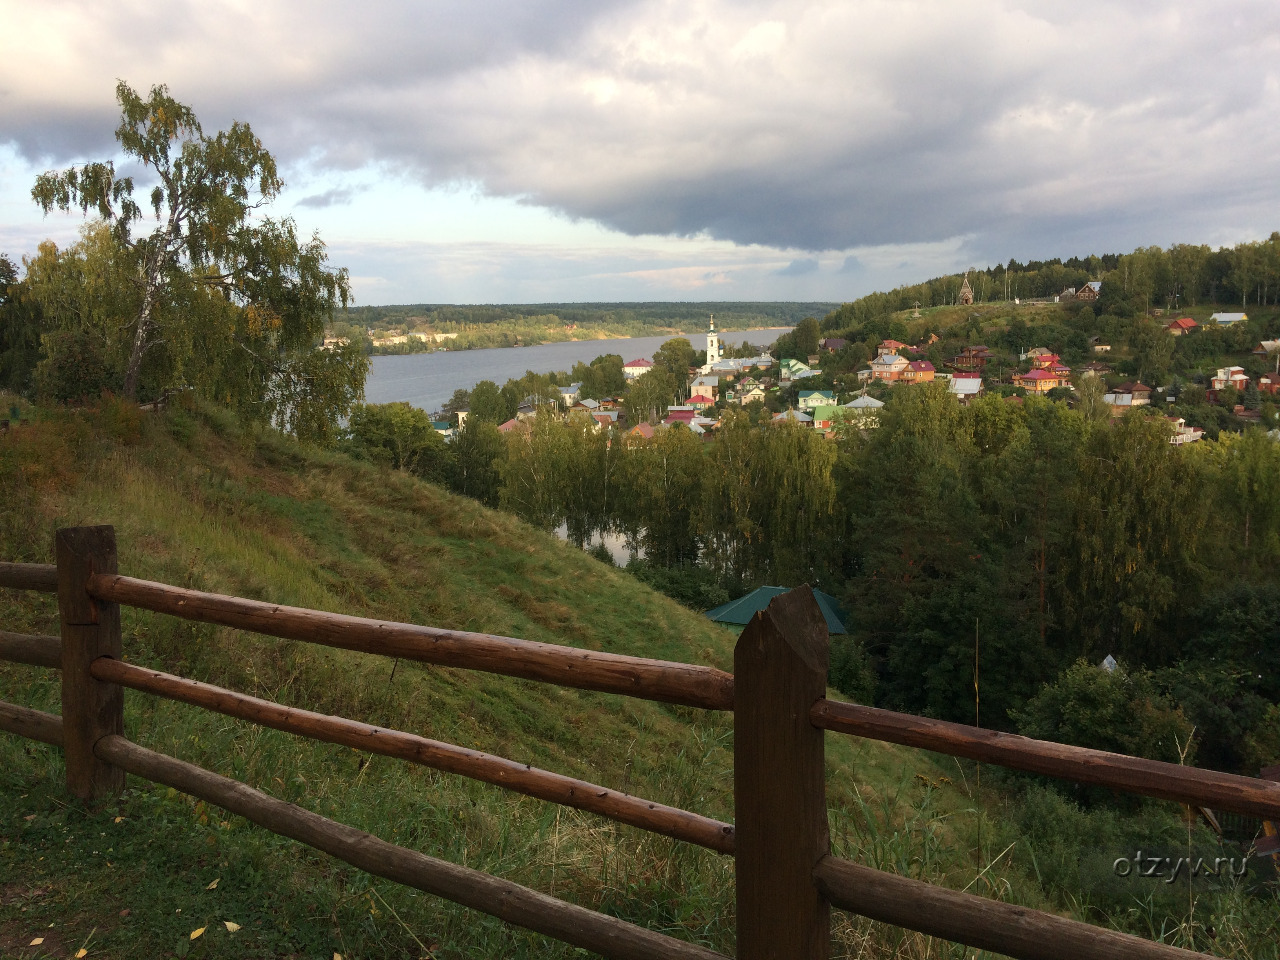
x,y
796,617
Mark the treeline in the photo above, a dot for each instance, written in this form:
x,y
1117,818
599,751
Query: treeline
x,y
1028,535
651,317
1150,277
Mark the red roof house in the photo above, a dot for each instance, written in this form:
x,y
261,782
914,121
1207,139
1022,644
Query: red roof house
x,y
918,371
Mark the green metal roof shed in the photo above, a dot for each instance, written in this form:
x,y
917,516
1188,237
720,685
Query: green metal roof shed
x,y
741,611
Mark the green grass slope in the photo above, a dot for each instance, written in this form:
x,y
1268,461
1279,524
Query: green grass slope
x,y
199,502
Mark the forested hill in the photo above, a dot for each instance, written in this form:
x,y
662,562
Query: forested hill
x,y
1149,278
657,315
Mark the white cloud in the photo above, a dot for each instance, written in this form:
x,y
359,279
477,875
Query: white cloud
x,y
1033,129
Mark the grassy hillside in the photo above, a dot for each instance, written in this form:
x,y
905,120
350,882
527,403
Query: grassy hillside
x,y
198,502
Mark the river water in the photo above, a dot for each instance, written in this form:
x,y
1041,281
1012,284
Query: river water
x,y
428,380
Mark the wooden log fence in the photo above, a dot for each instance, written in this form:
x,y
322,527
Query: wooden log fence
x,y
42,577
787,879
663,681
33,649
1152,778
520,777
977,921
500,898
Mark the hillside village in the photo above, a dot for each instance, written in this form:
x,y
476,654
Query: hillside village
x,y
1219,372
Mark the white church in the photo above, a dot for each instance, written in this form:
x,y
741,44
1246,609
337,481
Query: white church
x,y
714,351
716,363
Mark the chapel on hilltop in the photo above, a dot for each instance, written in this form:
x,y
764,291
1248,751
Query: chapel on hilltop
x,y
966,293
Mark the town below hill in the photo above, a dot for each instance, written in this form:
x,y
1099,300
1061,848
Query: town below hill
x,y
1219,372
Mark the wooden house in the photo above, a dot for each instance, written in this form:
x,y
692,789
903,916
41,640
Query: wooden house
x,y
918,371
888,367
972,359
1040,381
808,399
965,386
1140,392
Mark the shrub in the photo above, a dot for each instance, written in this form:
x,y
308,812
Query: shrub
x,y
73,369
1117,710
851,670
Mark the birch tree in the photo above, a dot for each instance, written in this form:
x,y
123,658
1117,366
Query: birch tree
x,y
199,235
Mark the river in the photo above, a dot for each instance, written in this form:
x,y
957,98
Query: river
x,y
428,380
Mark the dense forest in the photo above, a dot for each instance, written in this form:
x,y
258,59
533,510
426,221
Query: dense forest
x,y
1030,535
659,315
1021,534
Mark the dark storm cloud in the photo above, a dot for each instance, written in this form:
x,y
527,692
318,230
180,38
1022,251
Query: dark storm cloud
x,y
798,268
1033,128
329,198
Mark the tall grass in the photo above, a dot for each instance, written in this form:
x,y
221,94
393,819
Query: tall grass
x,y
199,501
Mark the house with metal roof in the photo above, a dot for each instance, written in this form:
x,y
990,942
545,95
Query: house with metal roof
x,y
965,386
795,416
864,402
795,370
888,367
708,385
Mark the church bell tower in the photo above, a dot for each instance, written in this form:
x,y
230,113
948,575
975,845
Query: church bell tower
x,y
713,343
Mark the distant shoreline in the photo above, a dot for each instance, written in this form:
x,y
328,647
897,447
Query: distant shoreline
x,y
499,335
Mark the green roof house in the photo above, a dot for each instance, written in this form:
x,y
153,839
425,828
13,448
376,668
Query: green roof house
x,y
741,611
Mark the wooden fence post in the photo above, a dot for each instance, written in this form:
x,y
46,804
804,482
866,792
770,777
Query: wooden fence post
x,y
779,785
91,709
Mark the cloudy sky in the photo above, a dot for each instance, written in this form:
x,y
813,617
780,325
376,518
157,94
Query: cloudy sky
x,y
559,150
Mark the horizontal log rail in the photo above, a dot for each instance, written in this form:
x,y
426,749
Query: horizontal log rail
x,y
29,576
787,645
1003,928
32,724
34,649
664,681
1152,778
655,817
508,901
